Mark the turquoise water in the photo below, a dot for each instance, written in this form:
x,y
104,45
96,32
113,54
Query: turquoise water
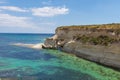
x,y
20,63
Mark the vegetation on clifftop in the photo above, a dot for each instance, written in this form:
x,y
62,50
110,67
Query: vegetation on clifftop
x,y
103,34
100,40
114,27
99,26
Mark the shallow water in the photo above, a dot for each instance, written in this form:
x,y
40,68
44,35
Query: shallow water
x,y
21,63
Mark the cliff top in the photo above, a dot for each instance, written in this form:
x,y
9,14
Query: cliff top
x,y
86,27
103,34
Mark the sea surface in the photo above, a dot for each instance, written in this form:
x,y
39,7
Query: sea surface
x,y
22,63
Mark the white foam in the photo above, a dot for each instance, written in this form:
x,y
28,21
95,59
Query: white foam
x,y
35,46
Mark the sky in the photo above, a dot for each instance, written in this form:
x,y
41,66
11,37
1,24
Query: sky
x,y
44,16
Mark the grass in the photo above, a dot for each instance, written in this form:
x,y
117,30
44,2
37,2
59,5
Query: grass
x,y
100,40
114,27
97,26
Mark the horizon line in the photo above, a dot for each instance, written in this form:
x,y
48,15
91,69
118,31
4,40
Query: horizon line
x,y
23,33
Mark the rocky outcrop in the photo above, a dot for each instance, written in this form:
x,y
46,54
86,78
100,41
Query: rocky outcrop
x,y
65,39
109,56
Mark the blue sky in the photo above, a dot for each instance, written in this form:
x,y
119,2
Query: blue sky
x,y
44,16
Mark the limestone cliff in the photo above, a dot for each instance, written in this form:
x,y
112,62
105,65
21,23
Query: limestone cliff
x,y
99,43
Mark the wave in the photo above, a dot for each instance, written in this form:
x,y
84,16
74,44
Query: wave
x,y
35,46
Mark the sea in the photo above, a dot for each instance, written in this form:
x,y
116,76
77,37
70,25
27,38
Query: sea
x,y
22,63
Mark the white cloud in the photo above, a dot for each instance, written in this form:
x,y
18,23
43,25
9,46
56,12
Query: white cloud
x,y
14,21
49,11
12,8
7,20
42,11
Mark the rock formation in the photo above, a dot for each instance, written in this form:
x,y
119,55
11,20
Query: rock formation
x,y
98,43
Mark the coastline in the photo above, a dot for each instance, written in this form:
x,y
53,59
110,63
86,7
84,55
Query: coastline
x,y
97,55
107,53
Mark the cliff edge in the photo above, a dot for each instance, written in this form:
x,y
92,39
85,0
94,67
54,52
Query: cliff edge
x,y
98,43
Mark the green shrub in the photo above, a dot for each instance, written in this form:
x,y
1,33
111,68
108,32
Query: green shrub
x,y
100,40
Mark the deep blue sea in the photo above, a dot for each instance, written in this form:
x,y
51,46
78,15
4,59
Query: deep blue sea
x,y
22,63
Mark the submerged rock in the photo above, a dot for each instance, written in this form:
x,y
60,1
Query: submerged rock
x,y
35,46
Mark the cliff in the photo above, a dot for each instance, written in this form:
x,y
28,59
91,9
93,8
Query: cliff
x,y
99,43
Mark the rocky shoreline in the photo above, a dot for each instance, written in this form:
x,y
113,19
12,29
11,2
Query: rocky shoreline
x,y
108,54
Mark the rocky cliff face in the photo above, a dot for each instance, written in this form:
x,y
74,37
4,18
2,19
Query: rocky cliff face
x,y
99,44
